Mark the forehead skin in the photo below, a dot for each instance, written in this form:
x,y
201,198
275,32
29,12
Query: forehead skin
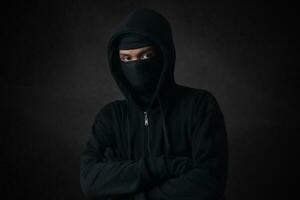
x,y
136,52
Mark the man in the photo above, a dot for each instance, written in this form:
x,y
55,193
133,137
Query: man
x,y
164,140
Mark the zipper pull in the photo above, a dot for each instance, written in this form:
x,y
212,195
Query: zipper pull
x,y
146,118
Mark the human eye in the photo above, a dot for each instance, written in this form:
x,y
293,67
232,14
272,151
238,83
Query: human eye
x,y
125,58
146,55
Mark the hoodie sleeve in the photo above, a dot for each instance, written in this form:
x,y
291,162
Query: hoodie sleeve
x,y
207,179
104,179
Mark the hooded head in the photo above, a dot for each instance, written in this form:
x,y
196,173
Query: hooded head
x,y
147,81
141,64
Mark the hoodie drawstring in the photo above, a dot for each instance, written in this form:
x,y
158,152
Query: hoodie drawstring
x,y
166,138
165,132
128,132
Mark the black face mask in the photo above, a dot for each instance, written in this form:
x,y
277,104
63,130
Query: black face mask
x,y
143,75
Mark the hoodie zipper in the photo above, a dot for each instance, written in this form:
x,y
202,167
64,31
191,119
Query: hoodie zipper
x,y
146,120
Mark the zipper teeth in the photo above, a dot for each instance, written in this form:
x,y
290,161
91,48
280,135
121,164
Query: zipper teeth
x,y
146,118
148,137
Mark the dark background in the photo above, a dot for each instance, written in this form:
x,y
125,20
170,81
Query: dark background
x,y
55,78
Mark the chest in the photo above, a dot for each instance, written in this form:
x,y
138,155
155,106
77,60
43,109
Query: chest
x,y
156,133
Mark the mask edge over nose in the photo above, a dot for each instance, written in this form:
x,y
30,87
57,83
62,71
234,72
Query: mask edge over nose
x,y
143,75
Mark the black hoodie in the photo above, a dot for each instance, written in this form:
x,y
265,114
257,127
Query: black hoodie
x,y
175,149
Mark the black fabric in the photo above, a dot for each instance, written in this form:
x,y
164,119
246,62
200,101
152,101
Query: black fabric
x,y
133,41
142,75
174,148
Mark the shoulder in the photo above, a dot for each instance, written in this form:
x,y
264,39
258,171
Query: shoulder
x,y
111,109
204,105
197,95
202,100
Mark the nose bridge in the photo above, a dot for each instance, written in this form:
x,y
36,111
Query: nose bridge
x,y
133,58
138,54
134,55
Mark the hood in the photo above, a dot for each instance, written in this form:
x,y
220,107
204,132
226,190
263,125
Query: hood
x,y
153,25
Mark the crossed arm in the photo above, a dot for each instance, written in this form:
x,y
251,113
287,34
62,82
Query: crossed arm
x,y
203,176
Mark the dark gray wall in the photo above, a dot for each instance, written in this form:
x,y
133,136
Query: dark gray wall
x,y
55,77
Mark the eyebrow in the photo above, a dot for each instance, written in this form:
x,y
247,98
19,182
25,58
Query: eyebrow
x,y
143,51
